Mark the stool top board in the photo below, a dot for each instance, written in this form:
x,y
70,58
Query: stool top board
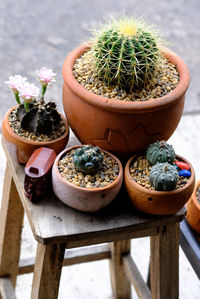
x,y
53,222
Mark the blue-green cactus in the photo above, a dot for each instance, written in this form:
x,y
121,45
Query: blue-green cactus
x,y
161,152
88,159
163,177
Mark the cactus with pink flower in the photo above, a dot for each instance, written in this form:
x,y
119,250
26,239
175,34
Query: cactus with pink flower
x,y
34,114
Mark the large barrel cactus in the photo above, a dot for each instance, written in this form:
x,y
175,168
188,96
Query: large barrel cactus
x,y
161,152
88,159
126,53
163,177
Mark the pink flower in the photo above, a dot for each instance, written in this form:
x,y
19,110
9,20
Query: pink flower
x,y
29,92
15,82
46,76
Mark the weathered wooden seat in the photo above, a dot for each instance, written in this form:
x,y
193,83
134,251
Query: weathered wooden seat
x,y
58,228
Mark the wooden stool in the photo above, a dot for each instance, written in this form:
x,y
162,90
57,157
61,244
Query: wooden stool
x,y
57,227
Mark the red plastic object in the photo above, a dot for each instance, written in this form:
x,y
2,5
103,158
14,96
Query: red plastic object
x,y
182,165
37,181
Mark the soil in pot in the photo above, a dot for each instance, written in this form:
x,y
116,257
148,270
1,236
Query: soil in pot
x,y
103,177
140,171
26,142
16,127
83,191
198,195
164,81
145,198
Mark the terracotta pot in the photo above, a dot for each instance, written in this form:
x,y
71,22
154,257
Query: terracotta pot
x,y
157,202
122,127
84,199
25,147
193,210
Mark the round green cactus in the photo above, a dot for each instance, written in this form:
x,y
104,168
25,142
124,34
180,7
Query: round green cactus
x,y
88,159
160,151
126,53
163,177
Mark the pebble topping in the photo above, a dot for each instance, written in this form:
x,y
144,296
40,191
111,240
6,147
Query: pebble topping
x,y
165,81
16,127
103,177
140,170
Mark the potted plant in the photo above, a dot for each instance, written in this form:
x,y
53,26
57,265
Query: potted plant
x,y
161,182
86,178
32,124
193,208
125,88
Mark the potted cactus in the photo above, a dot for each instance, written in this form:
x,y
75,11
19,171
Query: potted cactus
x,y
127,89
34,123
159,182
86,178
193,208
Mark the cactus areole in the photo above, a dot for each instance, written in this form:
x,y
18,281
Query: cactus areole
x,y
126,53
88,159
122,127
163,177
161,152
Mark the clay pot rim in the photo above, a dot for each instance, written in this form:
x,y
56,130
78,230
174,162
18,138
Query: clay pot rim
x,y
194,197
154,192
122,106
32,142
90,190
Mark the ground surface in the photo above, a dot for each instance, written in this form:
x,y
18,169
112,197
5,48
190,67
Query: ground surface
x,y
41,33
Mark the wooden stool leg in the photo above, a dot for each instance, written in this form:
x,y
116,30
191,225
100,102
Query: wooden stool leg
x,y
47,271
11,220
120,283
165,263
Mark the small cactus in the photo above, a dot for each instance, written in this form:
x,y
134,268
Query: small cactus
x,y
163,177
126,53
40,119
161,152
88,159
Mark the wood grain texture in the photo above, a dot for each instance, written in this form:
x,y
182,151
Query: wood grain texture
x,y
53,222
72,256
136,278
165,263
47,271
119,280
11,219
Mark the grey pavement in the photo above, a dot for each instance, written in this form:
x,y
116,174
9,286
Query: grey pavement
x,y
41,33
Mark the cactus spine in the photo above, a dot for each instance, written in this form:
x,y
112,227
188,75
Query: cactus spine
x,y
88,159
126,53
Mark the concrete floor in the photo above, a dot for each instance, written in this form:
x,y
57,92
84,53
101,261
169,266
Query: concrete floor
x,y
91,280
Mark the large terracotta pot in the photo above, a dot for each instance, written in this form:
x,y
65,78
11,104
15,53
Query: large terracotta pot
x,y
193,210
25,147
84,199
157,202
118,126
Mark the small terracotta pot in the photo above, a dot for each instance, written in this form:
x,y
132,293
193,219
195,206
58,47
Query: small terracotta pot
x,y
121,127
158,202
25,147
84,199
193,210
